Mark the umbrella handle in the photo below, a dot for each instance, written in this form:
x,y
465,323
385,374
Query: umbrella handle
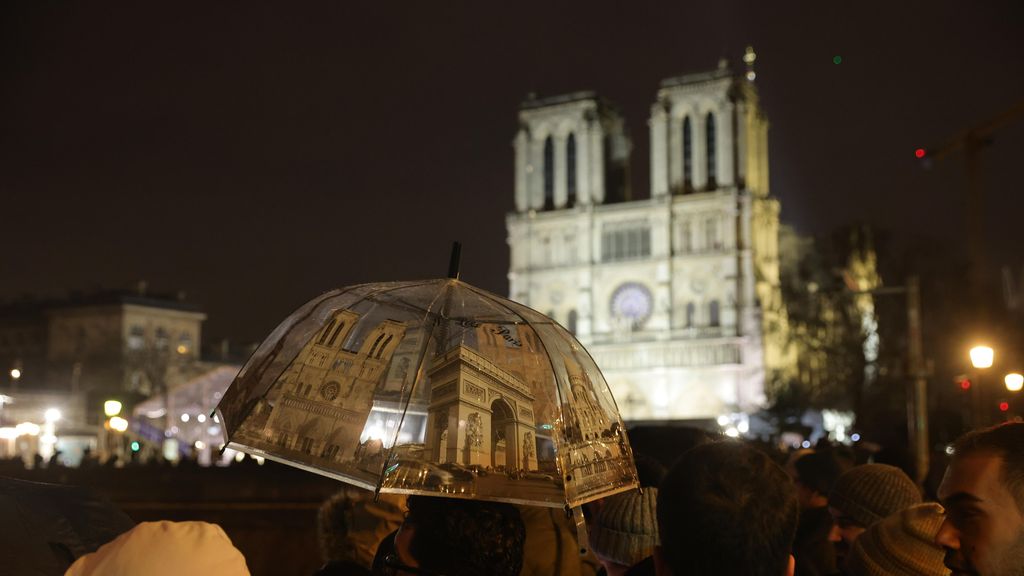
x,y
581,530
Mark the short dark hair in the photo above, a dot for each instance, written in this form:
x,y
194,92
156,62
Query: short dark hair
x,y
1005,440
726,508
466,537
818,471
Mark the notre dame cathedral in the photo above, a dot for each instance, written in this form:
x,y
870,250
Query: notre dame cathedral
x,y
675,295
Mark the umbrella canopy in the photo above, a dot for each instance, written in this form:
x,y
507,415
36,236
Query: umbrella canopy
x,y
433,387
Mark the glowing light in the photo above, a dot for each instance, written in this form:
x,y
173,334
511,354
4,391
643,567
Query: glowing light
x,y
1004,406
27,429
15,373
732,433
837,59
200,445
805,444
8,433
855,437
723,420
259,460
136,446
216,419
182,349
111,408
965,384
949,450
982,356
1014,381
118,423
743,427
184,417
52,415
920,153
201,418
239,457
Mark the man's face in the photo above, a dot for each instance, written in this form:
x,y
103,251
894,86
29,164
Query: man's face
x,y
844,531
983,532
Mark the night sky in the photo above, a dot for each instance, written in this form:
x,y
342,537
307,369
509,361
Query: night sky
x,y
255,155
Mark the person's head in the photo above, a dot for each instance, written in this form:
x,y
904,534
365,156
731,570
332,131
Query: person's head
x,y
454,537
983,492
163,549
624,530
901,545
332,525
814,474
864,495
726,508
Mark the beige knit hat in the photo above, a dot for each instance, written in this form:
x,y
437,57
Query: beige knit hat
x,y
872,492
625,530
903,543
164,549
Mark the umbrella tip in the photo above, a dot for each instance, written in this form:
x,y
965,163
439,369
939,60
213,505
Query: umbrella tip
x,y
453,264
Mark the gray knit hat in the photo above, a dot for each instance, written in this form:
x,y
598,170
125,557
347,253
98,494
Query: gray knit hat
x,y
625,530
902,544
871,492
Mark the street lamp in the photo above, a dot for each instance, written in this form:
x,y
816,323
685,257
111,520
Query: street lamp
x,y
15,373
1014,381
111,408
982,357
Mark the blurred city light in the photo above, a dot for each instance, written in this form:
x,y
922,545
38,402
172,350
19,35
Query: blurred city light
x,y
118,423
27,429
201,418
1004,406
15,373
855,437
965,384
111,408
184,417
52,415
982,357
920,153
837,59
1014,381
136,446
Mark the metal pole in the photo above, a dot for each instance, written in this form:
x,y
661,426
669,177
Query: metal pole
x,y
917,420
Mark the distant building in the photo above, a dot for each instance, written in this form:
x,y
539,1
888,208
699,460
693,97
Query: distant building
x,y
677,295
75,353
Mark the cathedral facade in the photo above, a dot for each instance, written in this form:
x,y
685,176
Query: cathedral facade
x,y
676,295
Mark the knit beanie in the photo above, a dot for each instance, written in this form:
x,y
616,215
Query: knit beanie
x,y
872,492
164,549
625,530
903,543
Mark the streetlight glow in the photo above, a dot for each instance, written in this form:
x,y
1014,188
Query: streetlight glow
x,y
1014,381
118,423
982,357
15,373
52,415
111,408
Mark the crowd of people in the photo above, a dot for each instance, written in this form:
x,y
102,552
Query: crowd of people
x,y
723,508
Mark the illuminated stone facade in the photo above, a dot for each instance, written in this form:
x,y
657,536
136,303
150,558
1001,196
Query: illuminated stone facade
x,y
677,295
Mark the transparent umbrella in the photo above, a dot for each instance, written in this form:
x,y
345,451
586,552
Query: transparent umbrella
x,y
432,387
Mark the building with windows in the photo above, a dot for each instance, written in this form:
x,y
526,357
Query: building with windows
x,y
675,295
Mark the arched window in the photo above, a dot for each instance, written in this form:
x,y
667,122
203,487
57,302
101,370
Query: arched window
x,y
326,332
691,311
373,349
687,155
712,160
573,320
549,174
713,317
570,169
334,335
